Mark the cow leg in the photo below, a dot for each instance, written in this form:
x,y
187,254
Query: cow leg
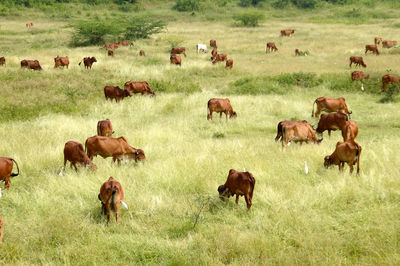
x,y
220,115
329,133
65,163
8,182
351,168
108,210
116,211
211,111
248,202
237,198
76,169
226,115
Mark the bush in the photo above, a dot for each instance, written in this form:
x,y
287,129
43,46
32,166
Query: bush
x,y
249,19
305,4
187,5
281,4
307,80
142,28
95,32
390,94
246,3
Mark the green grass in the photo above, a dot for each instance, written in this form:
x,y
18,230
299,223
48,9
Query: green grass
x,y
175,215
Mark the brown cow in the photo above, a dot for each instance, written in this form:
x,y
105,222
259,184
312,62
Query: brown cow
x,y
389,79
330,105
111,195
332,122
88,62
271,47
287,32
357,60
220,106
115,92
104,128
358,75
117,148
229,63
1,230
108,46
213,43
175,59
297,52
125,43
74,153
350,131
220,58
298,132
239,183
6,166
2,61
214,53
346,152
388,44
141,87
61,61
372,48
142,53
32,64
282,124
110,53
377,40
29,25
178,50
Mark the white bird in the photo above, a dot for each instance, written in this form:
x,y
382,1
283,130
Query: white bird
x,y
305,167
240,145
362,87
0,192
289,143
244,169
124,204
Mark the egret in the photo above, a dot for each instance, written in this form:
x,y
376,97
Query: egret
x,y
305,167
124,204
362,87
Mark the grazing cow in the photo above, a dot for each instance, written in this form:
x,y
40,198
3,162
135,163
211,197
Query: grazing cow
x,y
377,40
175,59
213,43
125,43
117,148
29,25
104,128
297,52
108,46
220,58
115,92
32,64
330,105
287,32
220,106
61,61
357,60
389,79
1,230
346,152
141,87
388,44
201,47
2,61
214,54
110,53
372,48
239,183
179,50
229,63
331,122
111,195
350,131
88,62
285,123
358,75
298,132
271,47
74,153
6,166
142,53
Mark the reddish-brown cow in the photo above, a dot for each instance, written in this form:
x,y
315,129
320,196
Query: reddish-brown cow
x,y
346,152
388,44
111,195
104,128
2,61
357,60
141,87
75,154
271,47
214,53
285,123
61,61
213,43
142,53
179,50
6,166
32,64
115,92
358,75
88,62
373,48
229,63
287,32
332,122
350,131
377,40
126,43
298,132
330,105
175,59
220,106
220,58
110,53
389,79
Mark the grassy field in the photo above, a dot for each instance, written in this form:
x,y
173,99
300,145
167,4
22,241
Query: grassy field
x,y
175,216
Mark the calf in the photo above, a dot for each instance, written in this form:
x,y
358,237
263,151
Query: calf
x,y
220,106
88,62
175,59
1,230
179,50
377,40
220,58
372,48
271,47
141,87
142,53
389,79
299,132
332,122
346,152
111,195
6,166
287,32
29,25
2,61
201,47
32,64
126,43
239,183
388,44
104,128
349,131
330,105
75,154
358,75
110,53
214,53
357,60
282,124
61,61
115,92
229,63
213,43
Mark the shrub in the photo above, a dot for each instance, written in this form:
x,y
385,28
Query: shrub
x,y
142,28
301,79
94,32
281,4
187,5
390,94
249,19
246,3
305,4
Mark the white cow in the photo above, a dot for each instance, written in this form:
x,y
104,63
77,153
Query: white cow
x,y
201,47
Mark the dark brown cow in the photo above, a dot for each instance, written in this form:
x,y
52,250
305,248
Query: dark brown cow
x,y
111,195
371,47
178,50
298,132
117,148
350,131
357,60
110,53
358,75
239,184
332,122
115,92
271,47
142,53
61,61
389,79
2,61
6,166
330,105
175,59
104,128
213,43
125,43
75,154
229,63
346,152
282,124
220,58
388,44
141,87
297,52
1,230
287,32
220,106
214,53
29,25
88,62
32,64
377,40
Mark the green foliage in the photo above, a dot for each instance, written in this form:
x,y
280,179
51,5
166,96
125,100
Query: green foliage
x,y
143,28
248,19
307,80
175,85
187,5
247,3
390,94
305,4
280,4
95,32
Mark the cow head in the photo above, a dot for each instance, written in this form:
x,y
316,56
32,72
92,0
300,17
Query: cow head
x,y
327,161
233,115
127,93
223,192
93,59
140,156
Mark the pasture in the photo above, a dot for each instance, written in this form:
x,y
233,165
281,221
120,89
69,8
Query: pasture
x,y
175,215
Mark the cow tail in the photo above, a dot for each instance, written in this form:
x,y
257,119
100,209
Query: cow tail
x,y
85,144
208,108
17,168
79,63
312,114
252,184
114,196
279,130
